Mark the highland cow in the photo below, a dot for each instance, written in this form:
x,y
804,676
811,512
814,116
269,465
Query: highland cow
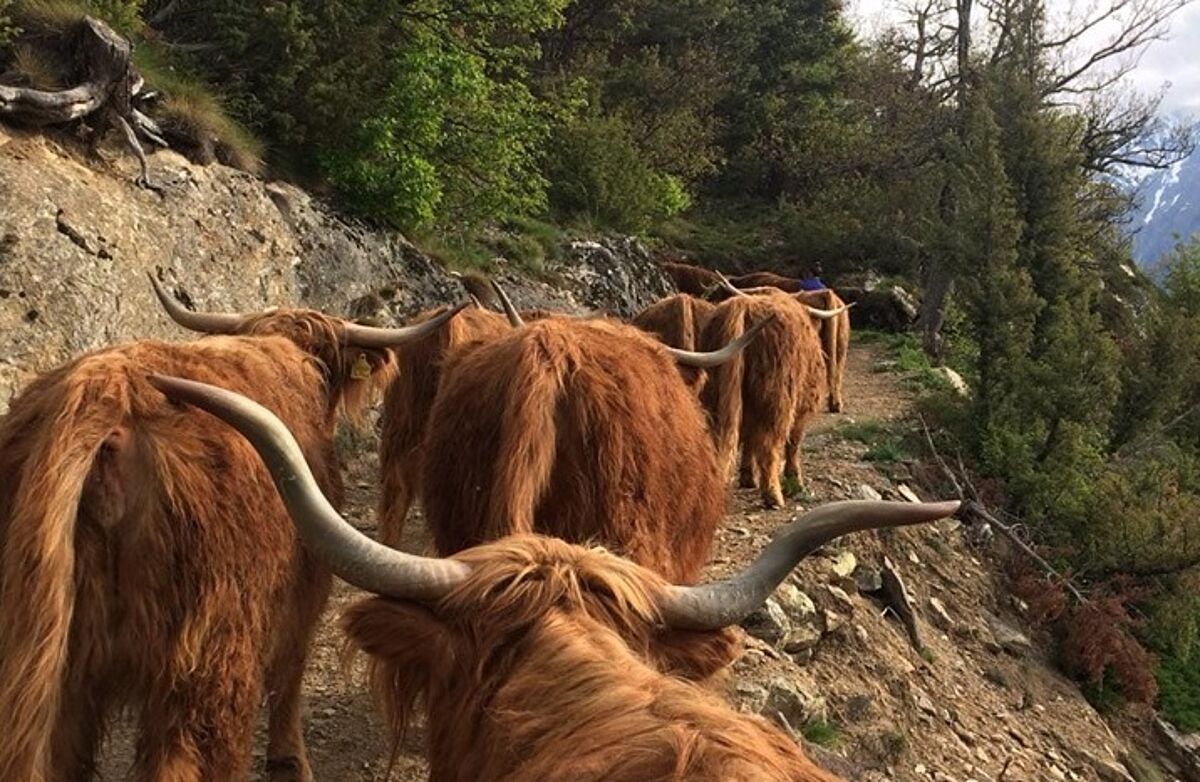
x,y
835,340
409,399
834,315
580,429
678,321
695,280
407,404
144,560
534,658
764,398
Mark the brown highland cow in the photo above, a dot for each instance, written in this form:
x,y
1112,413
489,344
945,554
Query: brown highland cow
x,y
534,659
765,397
580,429
407,404
828,307
144,560
695,280
678,321
408,401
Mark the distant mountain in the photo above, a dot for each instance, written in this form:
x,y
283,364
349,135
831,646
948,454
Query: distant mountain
x,y
1168,211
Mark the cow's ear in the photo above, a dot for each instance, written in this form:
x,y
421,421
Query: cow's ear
x,y
693,655
404,640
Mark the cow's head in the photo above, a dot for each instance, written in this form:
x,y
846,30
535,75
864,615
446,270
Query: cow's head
x,y
355,359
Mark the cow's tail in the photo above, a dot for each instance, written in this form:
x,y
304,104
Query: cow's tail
x,y
528,434
37,564
724,392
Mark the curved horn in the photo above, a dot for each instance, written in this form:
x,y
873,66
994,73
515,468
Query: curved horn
x,y
346,551
714,358
360,336
817,312
204,322
713,606
729,286
514,317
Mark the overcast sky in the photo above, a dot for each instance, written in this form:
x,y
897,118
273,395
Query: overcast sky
x,y
1175,61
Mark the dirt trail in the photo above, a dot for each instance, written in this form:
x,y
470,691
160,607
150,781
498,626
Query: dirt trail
x,y
964,711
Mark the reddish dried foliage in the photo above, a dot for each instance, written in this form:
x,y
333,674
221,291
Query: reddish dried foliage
x,y
1098,638
579,429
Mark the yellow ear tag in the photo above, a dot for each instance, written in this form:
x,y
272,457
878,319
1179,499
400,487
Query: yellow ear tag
x,y
362,368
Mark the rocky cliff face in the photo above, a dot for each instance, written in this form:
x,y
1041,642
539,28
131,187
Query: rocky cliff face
x,y
77,240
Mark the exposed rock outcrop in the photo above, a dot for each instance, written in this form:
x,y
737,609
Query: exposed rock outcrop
x,y
76,244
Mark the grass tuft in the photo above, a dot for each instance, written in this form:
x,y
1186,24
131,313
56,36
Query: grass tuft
x,y
822,732
36,69
194,110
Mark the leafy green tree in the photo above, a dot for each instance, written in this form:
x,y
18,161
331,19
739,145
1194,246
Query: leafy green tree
x,y
413,112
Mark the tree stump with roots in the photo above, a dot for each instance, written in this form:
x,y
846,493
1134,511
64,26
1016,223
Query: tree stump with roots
x,y
108,91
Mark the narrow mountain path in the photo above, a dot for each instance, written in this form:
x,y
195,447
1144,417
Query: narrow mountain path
x,y
965,709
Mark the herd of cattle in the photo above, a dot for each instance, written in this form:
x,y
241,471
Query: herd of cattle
x,y
148,563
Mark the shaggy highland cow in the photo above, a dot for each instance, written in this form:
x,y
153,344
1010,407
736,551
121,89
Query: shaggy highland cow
x,y
765,397
695,280
408,401
834,315
407,404
537,659
580,429
678,321
144,560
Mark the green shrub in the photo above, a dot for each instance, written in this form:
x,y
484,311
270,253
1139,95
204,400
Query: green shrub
x,y
597,172
8,29
1179,691
886,441
822,732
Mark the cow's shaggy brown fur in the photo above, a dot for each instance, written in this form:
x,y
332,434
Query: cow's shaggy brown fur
x,y
835,340
767,279
764,398
148,562
835,332
407,404
547,664
678,321
695,280
580,429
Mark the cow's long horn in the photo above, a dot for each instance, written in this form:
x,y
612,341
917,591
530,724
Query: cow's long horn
x,y
714,358
817,312
346,551
514,317
729,286
361,336
204,322
717,605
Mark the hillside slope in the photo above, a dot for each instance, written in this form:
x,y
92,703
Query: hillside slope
x,y
77,238
981,704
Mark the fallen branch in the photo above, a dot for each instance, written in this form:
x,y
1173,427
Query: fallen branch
x,y
973,511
